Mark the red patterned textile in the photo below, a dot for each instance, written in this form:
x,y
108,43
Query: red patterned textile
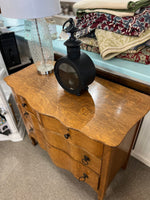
x,y
90,48
143,56
131,26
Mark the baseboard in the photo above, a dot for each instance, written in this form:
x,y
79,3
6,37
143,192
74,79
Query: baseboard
x,y
140,158
12,137
15,136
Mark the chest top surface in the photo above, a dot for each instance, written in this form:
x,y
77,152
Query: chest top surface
x,y
106,112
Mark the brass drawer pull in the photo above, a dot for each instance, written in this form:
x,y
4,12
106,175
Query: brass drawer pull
x,y
83,178
24,105
26,114
31,129
67,135
85,160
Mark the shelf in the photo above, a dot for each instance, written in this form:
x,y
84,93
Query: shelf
x,y
70,1
23,62
64,16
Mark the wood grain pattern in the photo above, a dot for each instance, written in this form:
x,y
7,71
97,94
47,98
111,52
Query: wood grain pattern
x,y
76,152
40,139
28,123
55,137
128,82
64,161
24,104
75,137
101,124
67,155
105,113
114,159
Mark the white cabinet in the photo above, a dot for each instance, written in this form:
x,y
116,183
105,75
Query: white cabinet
x,y
10,117
142,147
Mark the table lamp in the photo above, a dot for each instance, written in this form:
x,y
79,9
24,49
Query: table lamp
x,y
40,40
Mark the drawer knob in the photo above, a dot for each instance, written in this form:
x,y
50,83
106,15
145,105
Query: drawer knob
x,y
83,178
67,135
31,129
24,105
85,160
26,114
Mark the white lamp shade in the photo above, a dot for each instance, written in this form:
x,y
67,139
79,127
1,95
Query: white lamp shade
x,y
29,9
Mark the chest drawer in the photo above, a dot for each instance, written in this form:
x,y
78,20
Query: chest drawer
x,y
29,125
80,139
34,129
40,139
28,119
24,104
77,153
82,173
73,136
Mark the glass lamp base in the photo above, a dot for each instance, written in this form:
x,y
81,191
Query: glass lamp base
x,y
44,69
40,44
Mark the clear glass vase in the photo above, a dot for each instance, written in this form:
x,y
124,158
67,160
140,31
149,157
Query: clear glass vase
x,y
40,44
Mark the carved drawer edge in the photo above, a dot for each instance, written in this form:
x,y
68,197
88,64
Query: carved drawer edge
x,y
37,113
97,169
65,161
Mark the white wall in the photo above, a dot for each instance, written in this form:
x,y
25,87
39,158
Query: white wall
x,y
142,148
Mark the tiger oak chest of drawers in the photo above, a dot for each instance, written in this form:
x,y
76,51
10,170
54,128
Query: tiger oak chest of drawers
x,y
89,135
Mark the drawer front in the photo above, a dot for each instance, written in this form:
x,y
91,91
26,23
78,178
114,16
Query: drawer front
x,y
29,125
35,122
82,173
35,129
40,139
26,116
80,139
76,152
23,104
31,122
73,136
